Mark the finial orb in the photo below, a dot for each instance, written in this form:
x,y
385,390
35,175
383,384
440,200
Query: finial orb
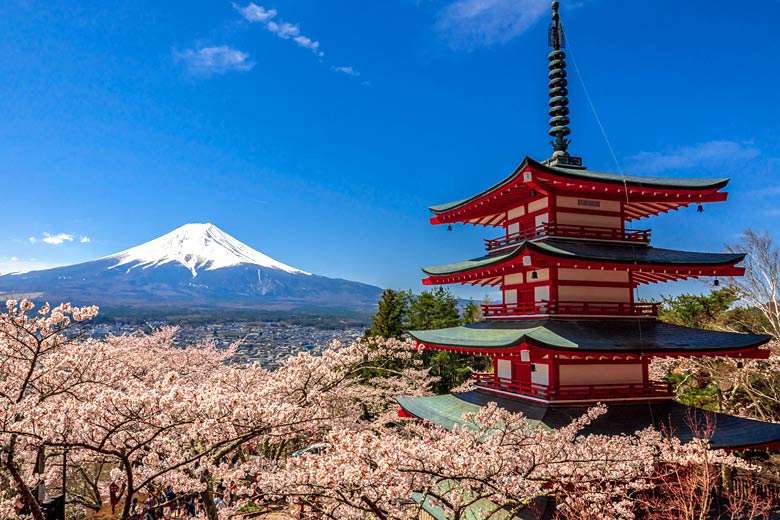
x,y
555,4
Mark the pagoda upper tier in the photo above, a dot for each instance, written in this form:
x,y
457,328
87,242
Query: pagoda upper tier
x,y
570,191
555,260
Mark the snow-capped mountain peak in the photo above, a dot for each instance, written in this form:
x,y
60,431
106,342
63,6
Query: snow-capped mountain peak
x,y
197,247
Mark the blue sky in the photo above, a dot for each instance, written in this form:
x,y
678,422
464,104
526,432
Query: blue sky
x,y
319,132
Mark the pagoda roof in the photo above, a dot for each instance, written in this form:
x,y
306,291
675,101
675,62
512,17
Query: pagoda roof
x,y
607,336
601,252
730,432
646,195
678,183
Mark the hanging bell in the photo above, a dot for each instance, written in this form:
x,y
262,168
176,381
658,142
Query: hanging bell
x,y
700,209
449,227
534,275
716,283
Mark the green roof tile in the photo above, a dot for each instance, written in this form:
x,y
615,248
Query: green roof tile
x,y
616,335
599,251
730,431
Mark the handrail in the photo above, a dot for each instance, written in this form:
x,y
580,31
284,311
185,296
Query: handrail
x,y
577,308
568,230
574,392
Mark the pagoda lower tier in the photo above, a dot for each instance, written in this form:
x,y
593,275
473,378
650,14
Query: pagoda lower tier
x,y
730,432
564,362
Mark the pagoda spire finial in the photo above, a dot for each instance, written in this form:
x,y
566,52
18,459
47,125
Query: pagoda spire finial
x,y
559,111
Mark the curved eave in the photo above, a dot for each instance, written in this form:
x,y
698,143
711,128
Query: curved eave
x,y
476,263
674,183
650,264
604,337
730,432
479,208
621,254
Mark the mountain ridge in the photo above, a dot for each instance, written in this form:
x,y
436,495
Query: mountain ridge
x,y
193,266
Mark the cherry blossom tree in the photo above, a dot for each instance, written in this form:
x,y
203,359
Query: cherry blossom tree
x,y
140,412
38,367
494,455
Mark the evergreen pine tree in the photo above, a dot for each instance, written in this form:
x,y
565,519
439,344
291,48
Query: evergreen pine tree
x,y
388,322
435,309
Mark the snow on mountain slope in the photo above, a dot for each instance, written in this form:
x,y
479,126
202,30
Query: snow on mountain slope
x,y
196,246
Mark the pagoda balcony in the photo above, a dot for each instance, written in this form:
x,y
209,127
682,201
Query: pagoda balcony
x,y
567,394
552,229
587,309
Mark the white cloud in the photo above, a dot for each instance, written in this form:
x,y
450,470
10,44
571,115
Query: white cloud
x,y
55,240
284,30
349,71
214,60
59,239
255,13
709,154
476,23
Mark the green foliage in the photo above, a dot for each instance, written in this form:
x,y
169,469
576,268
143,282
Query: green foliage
x,y
699,311
695,391
434,309
402,311
388,322
715,310
452,368
472,313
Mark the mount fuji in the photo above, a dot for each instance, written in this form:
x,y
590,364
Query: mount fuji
x,y
196,267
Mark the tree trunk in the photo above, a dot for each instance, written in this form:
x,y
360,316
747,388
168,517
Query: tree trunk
x,y
130,489
23,489
208,503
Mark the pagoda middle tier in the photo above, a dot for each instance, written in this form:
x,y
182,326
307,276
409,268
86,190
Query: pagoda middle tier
x,y
566,251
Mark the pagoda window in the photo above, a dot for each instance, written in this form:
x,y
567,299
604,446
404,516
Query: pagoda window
x,y
540,374
537,205
542,293
513,228
515,213
513,279
600,373
510,296
588,204
580,293
589,220
592,275
542,219
504,369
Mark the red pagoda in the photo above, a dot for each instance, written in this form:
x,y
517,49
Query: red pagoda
x,y
569,331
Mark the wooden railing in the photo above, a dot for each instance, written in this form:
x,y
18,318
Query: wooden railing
x,y
655,389
565,230
503,310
